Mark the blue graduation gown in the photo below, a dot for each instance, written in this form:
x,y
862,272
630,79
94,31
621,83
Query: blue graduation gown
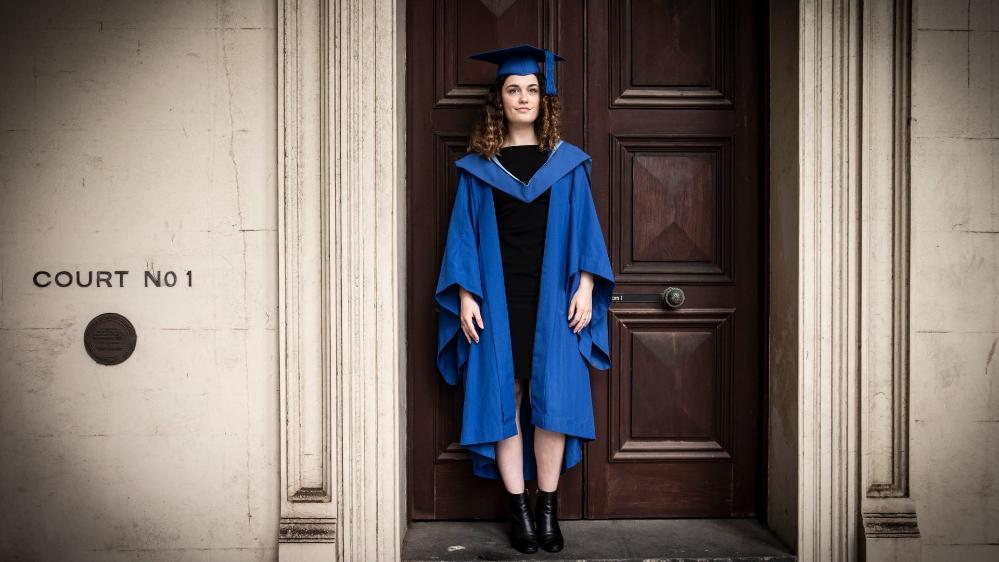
x,y
560,397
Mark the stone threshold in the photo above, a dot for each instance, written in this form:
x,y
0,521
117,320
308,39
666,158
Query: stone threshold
x,y
604,540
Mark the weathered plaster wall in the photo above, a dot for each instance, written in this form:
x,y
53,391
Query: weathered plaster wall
x,y
955,238
134,136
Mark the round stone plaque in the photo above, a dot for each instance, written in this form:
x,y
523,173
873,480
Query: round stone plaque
x,y
109,338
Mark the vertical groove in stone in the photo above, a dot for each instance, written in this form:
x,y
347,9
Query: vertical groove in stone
x,y
829,222
886,509
367,165
307,289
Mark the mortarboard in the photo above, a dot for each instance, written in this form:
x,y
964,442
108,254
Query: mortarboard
x,y
523,59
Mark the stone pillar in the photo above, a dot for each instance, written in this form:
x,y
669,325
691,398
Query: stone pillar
x,y
341,278
853,355
890,531
828,292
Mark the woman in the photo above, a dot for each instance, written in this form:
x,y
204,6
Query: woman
x,y
526,279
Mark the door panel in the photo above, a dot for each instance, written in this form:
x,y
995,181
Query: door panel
x,y
673,191
675,138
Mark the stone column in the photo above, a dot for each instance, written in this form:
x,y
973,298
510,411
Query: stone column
x,y
890,531
342,277
828,293
853,293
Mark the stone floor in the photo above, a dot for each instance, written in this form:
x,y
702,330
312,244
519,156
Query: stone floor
x,y
610,540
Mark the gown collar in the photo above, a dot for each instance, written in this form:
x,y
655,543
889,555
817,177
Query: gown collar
x,y
563,159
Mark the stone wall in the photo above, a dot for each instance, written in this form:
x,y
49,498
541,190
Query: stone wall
x,y
139,136
955,238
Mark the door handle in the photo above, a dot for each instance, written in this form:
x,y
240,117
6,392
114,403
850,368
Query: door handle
x,y
671,297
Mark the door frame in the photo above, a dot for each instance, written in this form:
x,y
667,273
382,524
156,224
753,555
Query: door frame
x,y
832,494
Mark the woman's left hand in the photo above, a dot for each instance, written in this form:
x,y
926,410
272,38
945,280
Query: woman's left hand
x,y
581,306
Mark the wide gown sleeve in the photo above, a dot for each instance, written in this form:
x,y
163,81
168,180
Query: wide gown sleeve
x,y
588,252
459,267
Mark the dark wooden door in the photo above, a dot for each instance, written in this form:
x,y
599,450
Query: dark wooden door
x,y
673,124
666,98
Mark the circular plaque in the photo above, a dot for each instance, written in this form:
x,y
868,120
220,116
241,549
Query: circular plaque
x,y
109,338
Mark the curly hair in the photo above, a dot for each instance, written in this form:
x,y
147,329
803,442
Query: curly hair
x,y
490,128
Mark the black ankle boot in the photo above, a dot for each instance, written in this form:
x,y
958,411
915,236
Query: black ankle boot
x,y
523,537
546,519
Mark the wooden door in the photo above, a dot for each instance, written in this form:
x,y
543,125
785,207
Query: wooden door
x,y
673,124
668,105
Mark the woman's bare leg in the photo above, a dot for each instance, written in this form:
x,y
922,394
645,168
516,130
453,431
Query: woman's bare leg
x,y
510,453
549,447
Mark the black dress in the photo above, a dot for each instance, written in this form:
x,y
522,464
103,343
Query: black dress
x,y
522,228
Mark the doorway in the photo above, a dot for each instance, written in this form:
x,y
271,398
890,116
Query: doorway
x,y
670,105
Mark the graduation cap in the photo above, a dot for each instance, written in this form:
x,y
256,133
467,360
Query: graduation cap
x,y
523,59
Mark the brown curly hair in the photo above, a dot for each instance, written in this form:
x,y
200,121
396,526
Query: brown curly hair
x,y
490,128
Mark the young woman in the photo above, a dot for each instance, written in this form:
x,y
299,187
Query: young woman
x,y
526,279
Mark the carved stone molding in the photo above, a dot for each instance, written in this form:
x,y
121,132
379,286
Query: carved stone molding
x,y
367,156
885,249
828,272
854,280
890,525
884,308
305,286
341,276
307,529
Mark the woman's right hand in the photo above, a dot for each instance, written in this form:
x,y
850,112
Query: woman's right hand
x,y
470,315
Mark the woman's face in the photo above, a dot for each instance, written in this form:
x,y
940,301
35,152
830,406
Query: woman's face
x,y
521,98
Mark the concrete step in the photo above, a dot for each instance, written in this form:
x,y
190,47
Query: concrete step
x,y
605,540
